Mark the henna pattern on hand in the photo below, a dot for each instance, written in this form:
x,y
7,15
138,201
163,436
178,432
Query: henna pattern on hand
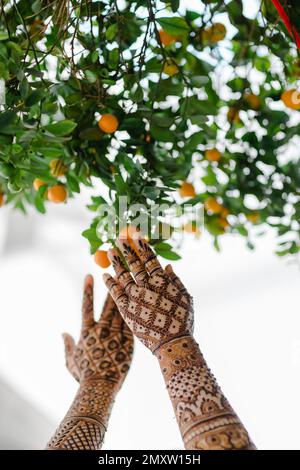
x,y
158,309
100,363
153,301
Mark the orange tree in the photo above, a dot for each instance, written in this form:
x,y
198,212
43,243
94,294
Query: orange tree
x,y
160,102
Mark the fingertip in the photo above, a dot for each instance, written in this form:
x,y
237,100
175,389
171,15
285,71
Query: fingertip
x,y
112,252
68,341
88,280
106,277
169,268
121,242
64,336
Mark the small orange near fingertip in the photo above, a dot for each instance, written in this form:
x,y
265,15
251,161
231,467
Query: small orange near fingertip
x,y
101,258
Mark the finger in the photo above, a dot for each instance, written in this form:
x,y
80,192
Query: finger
x,y
69,346
117,320
135,265
88,302
123,276
175,279
147,256
116,290
108,309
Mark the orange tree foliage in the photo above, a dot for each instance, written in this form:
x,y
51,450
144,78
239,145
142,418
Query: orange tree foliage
x,y
178,81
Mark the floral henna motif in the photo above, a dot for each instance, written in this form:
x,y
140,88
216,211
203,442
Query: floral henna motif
x,y
155,306
100,363
205,418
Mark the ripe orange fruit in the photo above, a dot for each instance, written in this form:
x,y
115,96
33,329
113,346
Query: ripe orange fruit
x,y
233,115
57,193
291,98
101,259
253,100
57,168
214,33
223,222
37,184
1,199
224,212
166,38
212,205
108,123
213,155
187,190
253,217
170,68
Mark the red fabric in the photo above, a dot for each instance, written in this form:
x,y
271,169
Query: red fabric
x,y
290,27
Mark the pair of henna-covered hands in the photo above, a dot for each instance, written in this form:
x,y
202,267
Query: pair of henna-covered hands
x,y
152,304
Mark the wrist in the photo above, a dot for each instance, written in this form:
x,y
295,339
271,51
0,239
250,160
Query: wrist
x,y
99,384
94,400
178,354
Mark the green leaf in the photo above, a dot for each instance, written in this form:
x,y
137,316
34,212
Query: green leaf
x,y
92,133
39,203
162,120
91,76
73,184
7,118
175,5
173,25
50,152
61,128
138,95
35,97
167,254
3,35
162,134
111,31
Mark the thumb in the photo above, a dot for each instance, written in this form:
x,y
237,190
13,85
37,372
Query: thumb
x,y
69,345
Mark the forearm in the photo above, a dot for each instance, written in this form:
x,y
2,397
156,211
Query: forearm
x,y
205,418
84,426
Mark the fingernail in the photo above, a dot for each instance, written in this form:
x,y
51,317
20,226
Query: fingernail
x,y
88,279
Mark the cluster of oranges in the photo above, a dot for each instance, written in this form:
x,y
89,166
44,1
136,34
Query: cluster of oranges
x,y
211,205
58,192
211,35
